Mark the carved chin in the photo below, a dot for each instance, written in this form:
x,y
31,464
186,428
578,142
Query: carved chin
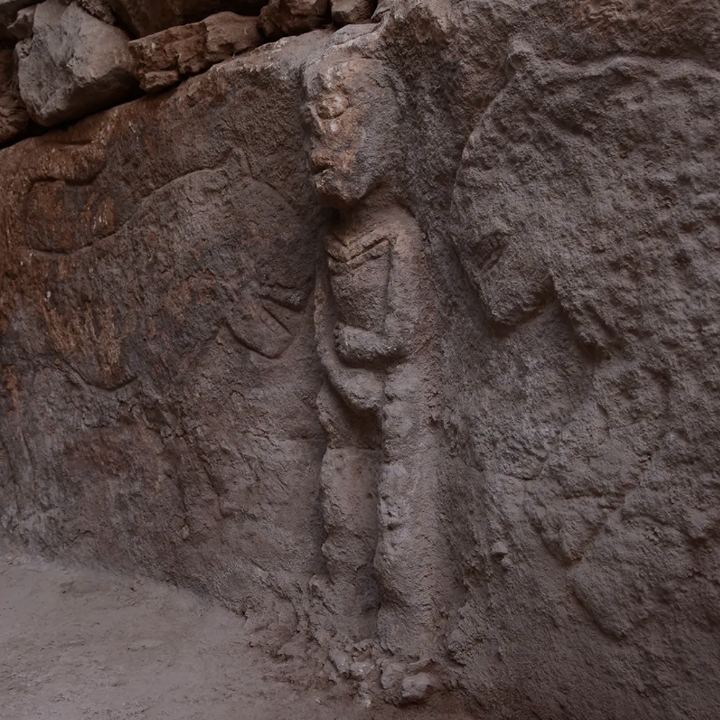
x,y
334,190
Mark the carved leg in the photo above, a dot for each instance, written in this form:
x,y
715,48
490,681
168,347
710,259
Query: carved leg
x,y
348,480
409,554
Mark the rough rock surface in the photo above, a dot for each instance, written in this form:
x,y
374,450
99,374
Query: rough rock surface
x,y
22,27
345,12
142,18
73,65
163,59
13,115
292,17
185,217
100,9
402,338
9,9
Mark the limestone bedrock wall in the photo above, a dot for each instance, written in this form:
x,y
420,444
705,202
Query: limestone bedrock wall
x,y
158,366
406,332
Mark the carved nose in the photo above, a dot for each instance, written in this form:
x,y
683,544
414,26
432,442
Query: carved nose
x,y
320,160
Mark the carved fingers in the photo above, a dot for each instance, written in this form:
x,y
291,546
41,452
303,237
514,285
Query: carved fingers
x,y
355,345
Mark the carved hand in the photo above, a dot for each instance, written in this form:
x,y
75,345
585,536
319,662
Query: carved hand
x,y
355,345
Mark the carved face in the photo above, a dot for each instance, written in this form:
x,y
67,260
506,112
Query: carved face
x,y
351,118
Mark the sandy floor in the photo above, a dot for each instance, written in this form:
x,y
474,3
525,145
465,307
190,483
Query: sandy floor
x,y
78,644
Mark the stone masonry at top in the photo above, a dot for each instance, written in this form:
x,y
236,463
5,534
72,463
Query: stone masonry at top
x,y
63,60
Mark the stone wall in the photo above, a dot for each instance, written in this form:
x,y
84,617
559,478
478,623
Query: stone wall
x,y
403,331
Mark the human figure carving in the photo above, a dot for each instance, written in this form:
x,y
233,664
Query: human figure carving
x,y
374,323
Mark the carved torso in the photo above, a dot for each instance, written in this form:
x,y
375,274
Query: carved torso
x,y
359,275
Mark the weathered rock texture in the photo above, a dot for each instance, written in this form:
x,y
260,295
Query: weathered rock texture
x,y
292,17
143,18
345,12
403,338
73,65
101,9
13,116
163,59
10,8
193,383
22,26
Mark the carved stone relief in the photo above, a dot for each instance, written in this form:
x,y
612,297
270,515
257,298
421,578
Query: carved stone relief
x,y
402,341
375,325
593,188
157,295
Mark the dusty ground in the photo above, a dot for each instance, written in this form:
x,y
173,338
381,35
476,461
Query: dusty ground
x,y
78,644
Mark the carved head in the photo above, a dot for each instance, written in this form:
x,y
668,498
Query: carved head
x,y
352,116
581,184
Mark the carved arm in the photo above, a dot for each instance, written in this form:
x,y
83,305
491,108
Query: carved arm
x,y
406,305
361,389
